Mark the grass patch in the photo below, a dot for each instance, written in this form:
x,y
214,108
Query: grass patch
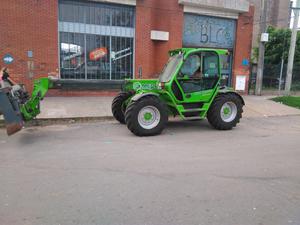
x,y
292,101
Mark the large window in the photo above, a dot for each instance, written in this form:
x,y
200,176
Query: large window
x,y
96,40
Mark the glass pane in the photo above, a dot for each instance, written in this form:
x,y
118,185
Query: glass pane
x,y
116,17
80,17
102,15
66,12
98,65
72,56
204,78
191,66
210,64
99,12
225,61
122,57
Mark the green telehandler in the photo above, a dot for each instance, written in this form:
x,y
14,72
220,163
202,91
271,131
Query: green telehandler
x,y
189,87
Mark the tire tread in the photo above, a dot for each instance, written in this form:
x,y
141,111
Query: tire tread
x,y
213,114
116,106
131,115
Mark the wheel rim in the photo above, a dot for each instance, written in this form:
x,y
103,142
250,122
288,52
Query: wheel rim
x,y
149,117
228,111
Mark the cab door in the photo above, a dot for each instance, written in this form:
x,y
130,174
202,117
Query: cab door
x,y
199,76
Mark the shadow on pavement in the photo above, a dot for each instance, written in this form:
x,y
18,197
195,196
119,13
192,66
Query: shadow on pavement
x,y
198,125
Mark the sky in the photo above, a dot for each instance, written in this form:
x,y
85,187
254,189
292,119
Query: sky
x,y
292,19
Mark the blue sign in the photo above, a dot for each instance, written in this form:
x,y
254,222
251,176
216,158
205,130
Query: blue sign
x,y
245,62
207,31
8,59
30,54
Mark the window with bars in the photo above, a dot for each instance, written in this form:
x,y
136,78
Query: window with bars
x,y
96,40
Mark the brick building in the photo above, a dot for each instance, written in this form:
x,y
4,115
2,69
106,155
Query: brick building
x,y
118,39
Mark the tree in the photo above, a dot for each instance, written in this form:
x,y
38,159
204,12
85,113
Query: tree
x,y
276,48
278,44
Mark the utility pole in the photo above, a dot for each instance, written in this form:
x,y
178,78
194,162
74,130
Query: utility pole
x,y
289,75
284,46
261,56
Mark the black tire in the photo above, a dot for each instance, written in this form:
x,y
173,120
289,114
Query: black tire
x,y
214,113
118,108
132,113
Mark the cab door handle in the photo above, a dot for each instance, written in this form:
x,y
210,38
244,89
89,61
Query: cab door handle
x,y
188,95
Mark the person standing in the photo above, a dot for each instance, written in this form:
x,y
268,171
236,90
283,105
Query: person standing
x,y
5,78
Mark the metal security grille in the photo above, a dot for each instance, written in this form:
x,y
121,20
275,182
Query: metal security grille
x,y
96,40
212,32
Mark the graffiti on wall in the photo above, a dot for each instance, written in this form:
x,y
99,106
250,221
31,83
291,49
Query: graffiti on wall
x,y
205,31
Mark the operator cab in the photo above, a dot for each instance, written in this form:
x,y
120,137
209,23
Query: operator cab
x,y
199,72
198,77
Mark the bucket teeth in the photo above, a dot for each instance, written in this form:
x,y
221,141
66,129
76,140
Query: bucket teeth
x,y
13,128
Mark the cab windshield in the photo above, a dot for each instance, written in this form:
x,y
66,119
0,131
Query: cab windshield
x,y
170,68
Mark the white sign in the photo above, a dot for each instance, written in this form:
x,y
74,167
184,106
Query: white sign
x,y
159,35
240,83
264,37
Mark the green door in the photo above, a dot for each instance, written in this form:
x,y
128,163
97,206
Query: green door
x,y
199,76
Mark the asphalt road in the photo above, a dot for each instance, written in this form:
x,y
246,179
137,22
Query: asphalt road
x,y
100,173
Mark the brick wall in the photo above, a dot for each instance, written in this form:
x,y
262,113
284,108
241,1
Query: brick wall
x,y
243,46
29,25
156,15
168,16
32,25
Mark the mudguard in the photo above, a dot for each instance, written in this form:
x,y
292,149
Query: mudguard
x,y
9,107
226,90
141,95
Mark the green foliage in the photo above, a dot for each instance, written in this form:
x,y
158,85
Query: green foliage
x,y
295,86
279,43
289,100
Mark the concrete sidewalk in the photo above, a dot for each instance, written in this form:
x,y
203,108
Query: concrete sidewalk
x,y
99,108
84,107
75,107
261,106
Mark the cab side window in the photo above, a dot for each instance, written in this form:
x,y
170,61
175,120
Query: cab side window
x,y
191,66
210,65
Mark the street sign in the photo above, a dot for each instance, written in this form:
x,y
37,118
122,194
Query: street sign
x,y
245,62
8,59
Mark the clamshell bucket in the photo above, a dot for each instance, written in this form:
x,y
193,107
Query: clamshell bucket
x,y
9,107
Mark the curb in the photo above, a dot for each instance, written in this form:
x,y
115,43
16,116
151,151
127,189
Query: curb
x,y
65,120
90,119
